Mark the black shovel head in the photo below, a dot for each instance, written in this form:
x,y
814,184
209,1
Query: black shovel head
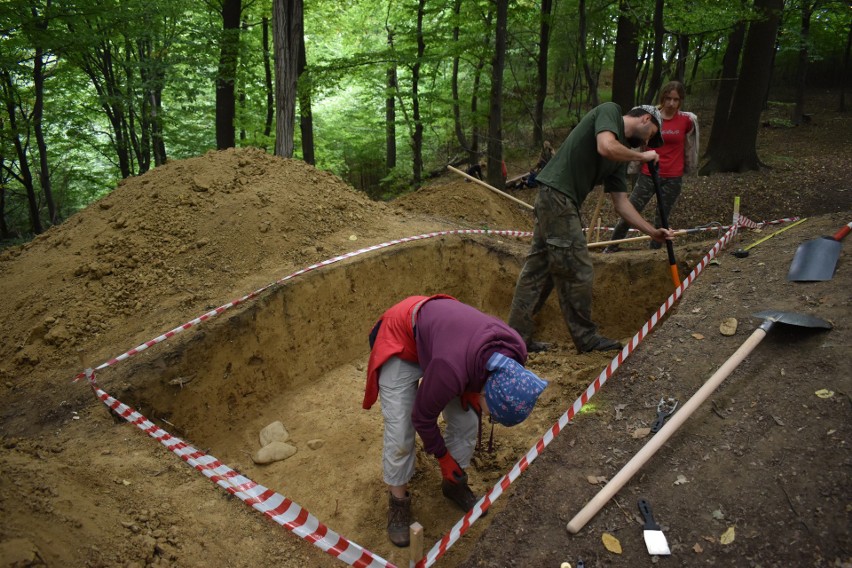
x,y
815,260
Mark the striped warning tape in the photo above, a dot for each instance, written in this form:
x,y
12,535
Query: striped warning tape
x,y
215,312
299,520
461,527
741,221
283,511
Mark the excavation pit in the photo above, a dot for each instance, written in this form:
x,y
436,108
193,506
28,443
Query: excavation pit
x,y
298,355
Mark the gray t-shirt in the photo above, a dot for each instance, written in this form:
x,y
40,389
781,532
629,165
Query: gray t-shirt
x,y
577,167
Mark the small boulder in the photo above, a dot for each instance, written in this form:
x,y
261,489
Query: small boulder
x,y
273,452
728,327
274,432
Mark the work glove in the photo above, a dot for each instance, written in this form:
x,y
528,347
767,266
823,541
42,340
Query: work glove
x,y
471,400
450,468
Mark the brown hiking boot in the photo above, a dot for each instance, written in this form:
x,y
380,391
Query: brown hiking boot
x,y
399,519
459,493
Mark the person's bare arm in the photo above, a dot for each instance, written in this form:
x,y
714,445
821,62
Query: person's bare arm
x,y
610,148
623,207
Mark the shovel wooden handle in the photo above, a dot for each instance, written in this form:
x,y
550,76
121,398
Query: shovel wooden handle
x,y
660,438
491,187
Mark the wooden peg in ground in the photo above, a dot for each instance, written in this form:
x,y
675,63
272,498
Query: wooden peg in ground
x,y
415,533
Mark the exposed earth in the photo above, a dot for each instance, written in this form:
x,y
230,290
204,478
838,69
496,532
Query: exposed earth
x,y
759,475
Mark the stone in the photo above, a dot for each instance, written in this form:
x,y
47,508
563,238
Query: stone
x,y
274,432
728,327
273,452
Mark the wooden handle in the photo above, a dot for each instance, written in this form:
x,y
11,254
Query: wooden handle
x,y
660,438
635,239
491,187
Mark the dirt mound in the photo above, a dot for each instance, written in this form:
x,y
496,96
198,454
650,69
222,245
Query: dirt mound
x,y
185,237
452,199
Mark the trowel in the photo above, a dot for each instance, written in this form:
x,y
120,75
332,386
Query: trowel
x,y
655,540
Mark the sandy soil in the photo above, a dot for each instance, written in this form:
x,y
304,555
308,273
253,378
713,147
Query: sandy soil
x,y
765,455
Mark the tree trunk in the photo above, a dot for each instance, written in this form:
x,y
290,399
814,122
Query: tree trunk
x,y
682,54
624,65
229,49
390,112
4,227
591,81
38,114
727,86
306,117
158,142
267,79
737,151
802,68
286,29
699,55
454,82
846,58
657,68
473,155
541,93
417,138
25,178
495,115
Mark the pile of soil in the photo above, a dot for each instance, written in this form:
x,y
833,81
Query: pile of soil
x,y
768,457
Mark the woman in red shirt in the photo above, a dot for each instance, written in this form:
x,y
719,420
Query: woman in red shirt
x,y
678,156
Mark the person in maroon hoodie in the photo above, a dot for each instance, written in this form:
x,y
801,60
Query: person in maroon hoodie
x,y
433,356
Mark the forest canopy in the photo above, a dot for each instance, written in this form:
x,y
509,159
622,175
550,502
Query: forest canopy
x,y
384,93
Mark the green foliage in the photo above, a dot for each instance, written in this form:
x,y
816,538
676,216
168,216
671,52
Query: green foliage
x,y
171,48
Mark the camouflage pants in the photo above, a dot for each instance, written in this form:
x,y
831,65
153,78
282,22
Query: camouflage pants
x,y
558,258
642,193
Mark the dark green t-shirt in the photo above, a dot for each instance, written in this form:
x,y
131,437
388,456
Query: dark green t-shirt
x,y
577,167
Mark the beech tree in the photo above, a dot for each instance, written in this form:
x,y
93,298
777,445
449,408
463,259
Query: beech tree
x,y
624,62
541,61
737,150
287,34
495,109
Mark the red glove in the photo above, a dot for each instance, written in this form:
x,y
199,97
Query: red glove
x,y
450,469
471,400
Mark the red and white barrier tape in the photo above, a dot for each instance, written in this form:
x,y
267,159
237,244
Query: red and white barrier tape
x,y
283,511
299,520
461,527
215,312
742,222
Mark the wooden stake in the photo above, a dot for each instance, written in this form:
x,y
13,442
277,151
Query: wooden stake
x,y
84,360
415,532
596,214
491,187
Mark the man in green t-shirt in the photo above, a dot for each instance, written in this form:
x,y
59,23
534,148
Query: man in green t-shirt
x,y
597,151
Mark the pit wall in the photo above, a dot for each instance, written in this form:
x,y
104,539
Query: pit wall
x,y
215,380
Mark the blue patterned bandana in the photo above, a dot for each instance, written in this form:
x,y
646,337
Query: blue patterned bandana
x,y
511,390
